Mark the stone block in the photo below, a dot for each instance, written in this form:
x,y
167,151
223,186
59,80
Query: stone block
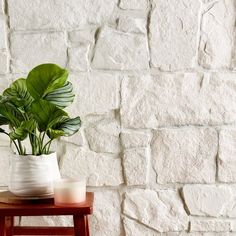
x,y
116,50
49,48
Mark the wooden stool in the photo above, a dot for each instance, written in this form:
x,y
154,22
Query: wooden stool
x,y
16,206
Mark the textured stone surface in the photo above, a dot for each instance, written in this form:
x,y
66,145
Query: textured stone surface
x,y
6,154
217,35
58,14
79,58
173,34
47,221
135,139
105,220
86,35
209,200
76,139
2,33
99,169
152,101
132,25
149,136
101,91
3,62
104,137
184,155
220,98
134,4
135,164
210,226
1,6
132,227
181,99
50,47
162,210
4,83
227,155
114,50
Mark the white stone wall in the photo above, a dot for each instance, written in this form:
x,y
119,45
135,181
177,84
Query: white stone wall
x,y
155,86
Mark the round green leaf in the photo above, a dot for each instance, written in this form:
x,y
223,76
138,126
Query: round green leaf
x,y
18,94
44,79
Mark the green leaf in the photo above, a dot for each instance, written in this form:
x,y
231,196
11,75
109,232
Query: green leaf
x,y
61,97
3,120
53,134
19,133
64,126
29,125
22,131
71,126
18,94
9,112
44,79
44,112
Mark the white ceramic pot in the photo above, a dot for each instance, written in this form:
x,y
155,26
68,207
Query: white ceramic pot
x,y
33,176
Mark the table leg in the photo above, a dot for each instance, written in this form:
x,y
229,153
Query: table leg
x,y
87,225
2,225
9,224
81,225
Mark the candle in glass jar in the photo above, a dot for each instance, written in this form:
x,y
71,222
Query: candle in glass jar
x,y
69,191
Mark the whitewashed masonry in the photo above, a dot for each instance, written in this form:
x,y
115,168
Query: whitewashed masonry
x,y
155,86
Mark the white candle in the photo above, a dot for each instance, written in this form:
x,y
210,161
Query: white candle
x,y
69,191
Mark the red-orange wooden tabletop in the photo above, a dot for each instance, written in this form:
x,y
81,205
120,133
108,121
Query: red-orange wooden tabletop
x,y
36,208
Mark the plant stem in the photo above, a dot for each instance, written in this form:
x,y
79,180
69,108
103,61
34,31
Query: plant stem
x,y
31,138
44,148
13,142
21,148
43,136
49,146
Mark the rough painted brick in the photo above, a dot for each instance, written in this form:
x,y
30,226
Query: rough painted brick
x,y
1,6
132,24
210,226
104,136
98,169
79,58
76,139
161,210
179,99
3,62
217,35
85,36
135,139
210,200
6,154
132,227
3,35
115,50
133,4
101,91
135,164
227,154
65,221
173,34
4,83
105,220
58,14
185,155
50,48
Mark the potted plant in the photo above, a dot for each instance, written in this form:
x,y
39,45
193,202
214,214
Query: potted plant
x,y
33,109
